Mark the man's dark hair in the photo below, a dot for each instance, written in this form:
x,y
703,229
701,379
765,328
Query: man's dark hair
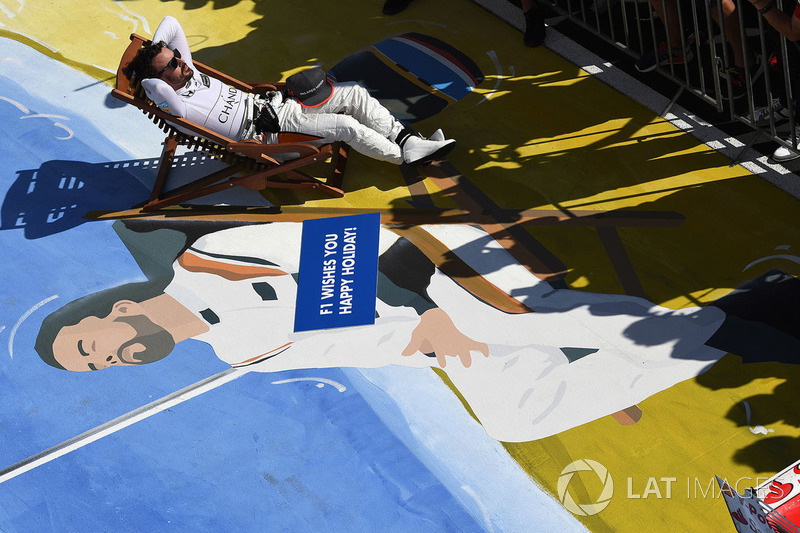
x,y
141,66
98,304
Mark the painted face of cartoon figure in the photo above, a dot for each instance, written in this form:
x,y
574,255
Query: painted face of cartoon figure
x,y
124,338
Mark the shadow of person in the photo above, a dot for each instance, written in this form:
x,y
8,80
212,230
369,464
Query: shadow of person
x,y
763,410
770,454
758,321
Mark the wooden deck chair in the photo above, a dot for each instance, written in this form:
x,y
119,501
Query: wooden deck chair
x,y
250,164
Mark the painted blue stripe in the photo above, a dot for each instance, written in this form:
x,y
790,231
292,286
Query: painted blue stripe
x,y
438,73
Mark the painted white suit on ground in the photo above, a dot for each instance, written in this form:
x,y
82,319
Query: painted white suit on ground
x,y
579,357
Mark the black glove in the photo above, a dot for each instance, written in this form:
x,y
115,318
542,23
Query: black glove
x,y
267,121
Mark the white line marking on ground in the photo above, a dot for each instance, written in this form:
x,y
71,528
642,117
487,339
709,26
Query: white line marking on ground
x,y
43,115
792,258
733,141
8,12
70,134
25,110
15,104
481,506
11,59
336,384
493,56
128,419
777,167
752,167
125,17
22,319
591,69
145,24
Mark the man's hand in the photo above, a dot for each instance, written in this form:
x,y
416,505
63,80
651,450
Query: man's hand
x,y
437,334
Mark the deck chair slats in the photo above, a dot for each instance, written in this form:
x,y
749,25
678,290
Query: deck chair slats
x,y
257,166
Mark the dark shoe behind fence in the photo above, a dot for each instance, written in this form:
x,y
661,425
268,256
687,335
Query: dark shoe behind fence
x,y
652,59
534,27
775,109
739,80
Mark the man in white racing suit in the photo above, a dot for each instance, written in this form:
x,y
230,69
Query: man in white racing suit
x,y
329,111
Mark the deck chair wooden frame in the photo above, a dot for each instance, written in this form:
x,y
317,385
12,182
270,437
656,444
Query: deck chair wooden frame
x,y
251,164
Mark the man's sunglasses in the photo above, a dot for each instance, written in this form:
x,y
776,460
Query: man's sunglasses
x,y
173,63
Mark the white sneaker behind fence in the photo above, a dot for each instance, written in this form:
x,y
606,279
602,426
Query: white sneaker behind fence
x,y
783,153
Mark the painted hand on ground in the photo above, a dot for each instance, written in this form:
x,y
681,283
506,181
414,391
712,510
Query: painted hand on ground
x,y
437,334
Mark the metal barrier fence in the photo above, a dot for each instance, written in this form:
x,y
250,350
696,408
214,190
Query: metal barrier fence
x,y
691,28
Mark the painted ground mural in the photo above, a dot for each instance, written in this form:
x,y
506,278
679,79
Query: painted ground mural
x,y
574,321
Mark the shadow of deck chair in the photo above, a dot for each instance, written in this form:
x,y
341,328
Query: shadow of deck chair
x,y
250,164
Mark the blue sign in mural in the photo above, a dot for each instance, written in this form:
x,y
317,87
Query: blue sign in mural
x,y
338,272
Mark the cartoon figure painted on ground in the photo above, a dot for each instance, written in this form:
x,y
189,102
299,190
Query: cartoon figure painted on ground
x,y
576,357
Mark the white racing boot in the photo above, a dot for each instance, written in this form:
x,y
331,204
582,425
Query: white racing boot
x,y
419,151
